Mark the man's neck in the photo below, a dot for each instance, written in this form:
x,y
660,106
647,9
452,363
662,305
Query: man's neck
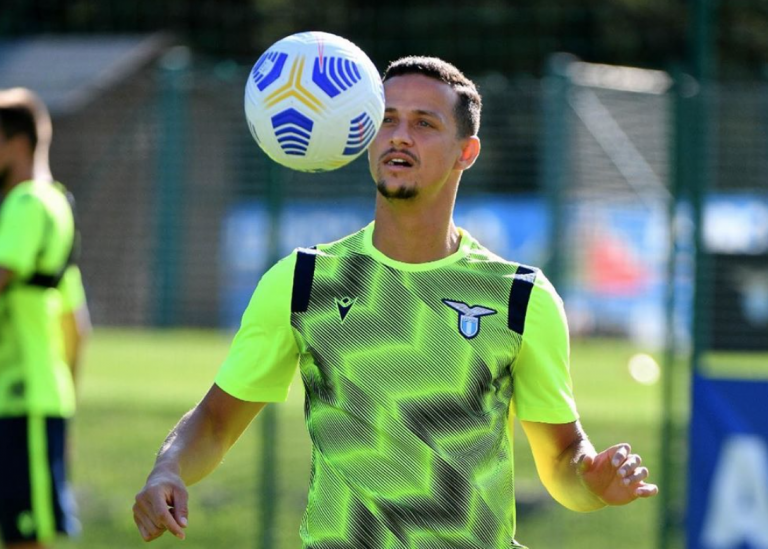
x,y
413,234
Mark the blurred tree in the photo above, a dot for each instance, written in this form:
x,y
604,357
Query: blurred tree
x,y
489,35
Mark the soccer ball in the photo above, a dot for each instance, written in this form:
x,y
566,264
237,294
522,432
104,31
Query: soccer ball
x,y
314,101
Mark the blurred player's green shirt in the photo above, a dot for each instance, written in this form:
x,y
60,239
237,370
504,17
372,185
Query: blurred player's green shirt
x,y
36,234
411,372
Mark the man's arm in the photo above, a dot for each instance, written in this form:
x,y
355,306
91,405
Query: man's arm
x,y
5,278
194,448
75,325
580,478
75,319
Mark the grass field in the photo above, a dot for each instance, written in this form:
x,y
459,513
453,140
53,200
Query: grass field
x,y
136,384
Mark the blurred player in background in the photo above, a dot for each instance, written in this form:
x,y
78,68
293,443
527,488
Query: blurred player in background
x,y
43,321
417,347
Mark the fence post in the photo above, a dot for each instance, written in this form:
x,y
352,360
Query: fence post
x,y
169,185
269,416
680,215
704,66
554,159
694,137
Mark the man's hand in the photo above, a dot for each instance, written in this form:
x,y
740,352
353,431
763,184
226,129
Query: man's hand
x,y
616,476
161,505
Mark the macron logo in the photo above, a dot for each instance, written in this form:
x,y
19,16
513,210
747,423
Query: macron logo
x,y
344,305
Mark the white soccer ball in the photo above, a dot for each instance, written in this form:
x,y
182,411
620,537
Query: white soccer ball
x,y
314,101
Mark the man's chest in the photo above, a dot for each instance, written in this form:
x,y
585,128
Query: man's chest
x,y
363,315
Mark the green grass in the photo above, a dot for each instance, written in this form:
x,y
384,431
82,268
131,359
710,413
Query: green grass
x,y
136,384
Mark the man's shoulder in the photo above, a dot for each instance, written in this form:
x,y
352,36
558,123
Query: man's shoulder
x,y
42,195
24,206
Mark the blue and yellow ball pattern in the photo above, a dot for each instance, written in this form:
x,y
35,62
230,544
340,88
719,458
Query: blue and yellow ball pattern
x,y
314,101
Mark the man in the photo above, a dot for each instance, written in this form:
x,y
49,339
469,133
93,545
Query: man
x,y
417,347
43,319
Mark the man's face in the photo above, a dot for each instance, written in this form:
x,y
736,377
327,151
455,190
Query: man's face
x,y
417,148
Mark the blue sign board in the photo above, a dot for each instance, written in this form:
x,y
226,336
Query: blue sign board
x,y
728,465
617,252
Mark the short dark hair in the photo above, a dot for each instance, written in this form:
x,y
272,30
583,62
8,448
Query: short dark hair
x,y
18,120
469,104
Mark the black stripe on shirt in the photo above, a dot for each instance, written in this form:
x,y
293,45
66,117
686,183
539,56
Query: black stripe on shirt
x,y
519,296
303,274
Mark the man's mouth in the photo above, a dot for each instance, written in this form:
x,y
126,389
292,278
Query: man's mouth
x,y
399,160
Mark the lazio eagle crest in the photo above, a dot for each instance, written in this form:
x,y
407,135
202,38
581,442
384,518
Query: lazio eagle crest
x,y
469,317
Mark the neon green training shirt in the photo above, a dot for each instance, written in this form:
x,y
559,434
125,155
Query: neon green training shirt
x,y
36,233
412,373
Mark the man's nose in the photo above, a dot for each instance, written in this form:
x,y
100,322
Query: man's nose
x,y
401,134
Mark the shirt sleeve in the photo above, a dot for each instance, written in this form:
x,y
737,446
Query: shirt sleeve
x,y
543,390
263,357
22,228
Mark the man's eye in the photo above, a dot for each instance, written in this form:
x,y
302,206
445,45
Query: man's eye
x,y
424,124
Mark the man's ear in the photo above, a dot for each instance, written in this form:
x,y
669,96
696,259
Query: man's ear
x,y
469,153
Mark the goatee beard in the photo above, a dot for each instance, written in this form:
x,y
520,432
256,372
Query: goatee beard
x,y
400,193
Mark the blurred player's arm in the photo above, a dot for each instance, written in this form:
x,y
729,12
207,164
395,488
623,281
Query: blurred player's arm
x,y
75,318
76,326
5,278
194,448
577,476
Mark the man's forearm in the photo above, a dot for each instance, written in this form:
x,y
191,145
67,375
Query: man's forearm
x,y
198,443
192,450
564,482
